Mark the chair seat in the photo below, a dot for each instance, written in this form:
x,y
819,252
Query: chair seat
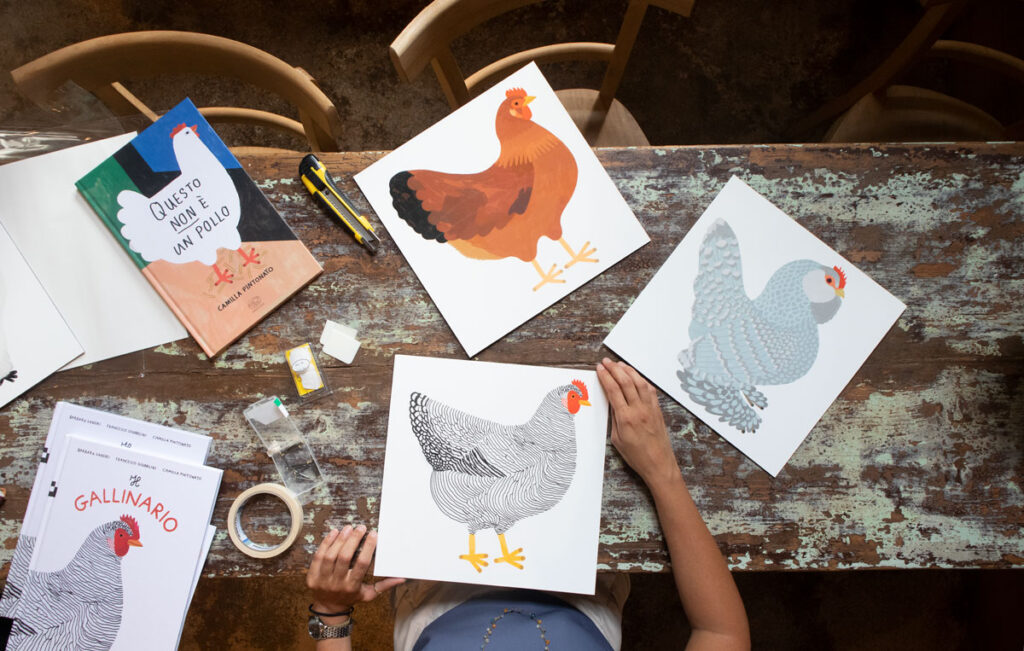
x,y
908,113
619,128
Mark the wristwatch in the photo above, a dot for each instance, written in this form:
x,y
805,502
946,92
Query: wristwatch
x,y
320,631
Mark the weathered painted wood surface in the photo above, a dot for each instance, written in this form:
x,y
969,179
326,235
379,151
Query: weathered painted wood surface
x,y
917,465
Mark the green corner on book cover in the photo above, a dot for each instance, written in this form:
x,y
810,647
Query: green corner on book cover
x,y
100,188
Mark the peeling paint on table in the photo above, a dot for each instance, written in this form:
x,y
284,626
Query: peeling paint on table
x,y
918,464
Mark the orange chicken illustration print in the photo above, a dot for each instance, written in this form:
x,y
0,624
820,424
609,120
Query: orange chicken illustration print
x,y
504,210
488,475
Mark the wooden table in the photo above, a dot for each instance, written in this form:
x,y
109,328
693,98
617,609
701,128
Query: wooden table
x,y
917,464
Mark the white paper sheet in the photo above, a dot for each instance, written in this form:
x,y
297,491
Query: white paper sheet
x,y
418,540
35,340
659,325
110,306
483,299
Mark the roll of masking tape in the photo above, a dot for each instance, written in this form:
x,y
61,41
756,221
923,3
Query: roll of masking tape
x,y
255,549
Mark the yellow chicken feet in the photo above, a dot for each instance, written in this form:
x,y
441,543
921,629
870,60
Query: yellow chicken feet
x,y
513,557
552,276
583,255
475,559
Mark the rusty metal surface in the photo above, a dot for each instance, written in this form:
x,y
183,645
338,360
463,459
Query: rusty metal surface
x,y
918,464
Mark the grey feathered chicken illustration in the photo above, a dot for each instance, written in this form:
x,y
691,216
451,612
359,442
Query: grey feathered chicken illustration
x,y
487,475
79,606
737,343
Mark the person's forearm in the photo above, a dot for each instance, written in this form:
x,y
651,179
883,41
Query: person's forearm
x,y
707,590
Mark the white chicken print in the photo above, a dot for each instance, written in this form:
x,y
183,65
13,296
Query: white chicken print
x,y
737,343
487,475
79,606
7,372
192,217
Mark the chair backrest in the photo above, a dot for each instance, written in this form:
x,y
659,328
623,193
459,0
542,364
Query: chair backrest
x,y
877,108
427,40
101,65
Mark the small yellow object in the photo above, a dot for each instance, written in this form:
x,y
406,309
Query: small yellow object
x,y
321,185
305,371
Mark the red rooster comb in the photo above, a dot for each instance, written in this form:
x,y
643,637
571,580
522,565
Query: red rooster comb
x,y
515,92
132,524
181,126
582,387
842,277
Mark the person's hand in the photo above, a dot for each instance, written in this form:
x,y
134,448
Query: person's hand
x,y
337,582
638,426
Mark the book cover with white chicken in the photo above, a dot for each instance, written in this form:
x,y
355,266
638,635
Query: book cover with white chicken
x,y
755,325
503,465
199,228
116,558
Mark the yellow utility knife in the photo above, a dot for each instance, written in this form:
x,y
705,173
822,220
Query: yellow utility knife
x,y
318,181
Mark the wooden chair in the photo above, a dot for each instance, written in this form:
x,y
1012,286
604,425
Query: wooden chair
x,y
99,65
878,110
604,121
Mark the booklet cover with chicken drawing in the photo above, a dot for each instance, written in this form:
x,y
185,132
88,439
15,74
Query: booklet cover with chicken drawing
x,y
114,566
502,209
197,226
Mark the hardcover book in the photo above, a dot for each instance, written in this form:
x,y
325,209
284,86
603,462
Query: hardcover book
x,y
103,427
195,223
116,560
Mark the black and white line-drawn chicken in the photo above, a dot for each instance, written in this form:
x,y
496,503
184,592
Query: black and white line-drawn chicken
x,y
7,371
79,606
488,475
737,343
190,218
17,576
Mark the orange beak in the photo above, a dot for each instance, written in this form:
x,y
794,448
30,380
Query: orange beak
x,y
585,403
841,293
134,543
528,99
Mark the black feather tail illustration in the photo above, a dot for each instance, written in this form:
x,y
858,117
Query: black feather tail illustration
x,y
10,377
438,452
734,405
410,208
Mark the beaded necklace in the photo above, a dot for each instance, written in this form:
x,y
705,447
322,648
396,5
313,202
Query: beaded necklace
x,y
533,616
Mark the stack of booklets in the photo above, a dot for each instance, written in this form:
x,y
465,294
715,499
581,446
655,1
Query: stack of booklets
x,y
115,536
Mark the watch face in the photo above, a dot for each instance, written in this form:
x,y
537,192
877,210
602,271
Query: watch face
x,y
314,626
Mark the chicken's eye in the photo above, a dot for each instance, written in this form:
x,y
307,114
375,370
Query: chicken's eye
x,y
828,279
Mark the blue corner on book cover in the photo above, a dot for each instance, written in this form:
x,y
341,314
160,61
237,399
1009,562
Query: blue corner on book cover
x,y
154,143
